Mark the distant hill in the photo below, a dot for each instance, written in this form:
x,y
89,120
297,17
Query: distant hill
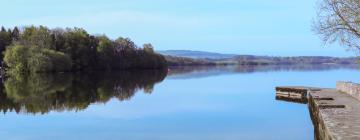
x,y
196,54
186,57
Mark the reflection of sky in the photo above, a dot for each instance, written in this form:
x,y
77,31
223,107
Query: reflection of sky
x,y
231,106
272,27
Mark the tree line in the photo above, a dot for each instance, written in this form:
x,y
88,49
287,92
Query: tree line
x,y
35,49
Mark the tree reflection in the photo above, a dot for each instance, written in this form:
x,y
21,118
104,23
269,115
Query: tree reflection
x,y
42,93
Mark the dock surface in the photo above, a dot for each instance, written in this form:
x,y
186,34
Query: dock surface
x,y
335,114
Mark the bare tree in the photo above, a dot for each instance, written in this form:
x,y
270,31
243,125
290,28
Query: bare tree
x,y
339,20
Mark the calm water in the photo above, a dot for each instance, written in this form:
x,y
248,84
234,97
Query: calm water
x,y
206,103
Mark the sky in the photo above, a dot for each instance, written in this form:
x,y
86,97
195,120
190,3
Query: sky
x,y
257,27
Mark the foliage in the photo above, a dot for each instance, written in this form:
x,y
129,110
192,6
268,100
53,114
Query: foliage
x,y
16,58
35,59
5,39
45,60
37,36
39,49
106,53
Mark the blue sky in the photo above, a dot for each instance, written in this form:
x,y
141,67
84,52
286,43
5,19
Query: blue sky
x,y
259,27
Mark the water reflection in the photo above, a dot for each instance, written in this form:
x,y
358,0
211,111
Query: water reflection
x,y
293,99
206,71
292,94
42,93
230,103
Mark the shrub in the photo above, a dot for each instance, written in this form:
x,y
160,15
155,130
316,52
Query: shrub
x,y
16,58
34,59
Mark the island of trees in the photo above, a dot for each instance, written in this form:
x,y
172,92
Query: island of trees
x,y
40,49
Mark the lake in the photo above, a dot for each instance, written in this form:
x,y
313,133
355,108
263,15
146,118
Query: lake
x,y
192,103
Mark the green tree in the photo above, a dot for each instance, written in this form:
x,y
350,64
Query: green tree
x,y
16,58
45,60
40,49
33,59
5,40
78,46
37,36
148,48
105,53
15,34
